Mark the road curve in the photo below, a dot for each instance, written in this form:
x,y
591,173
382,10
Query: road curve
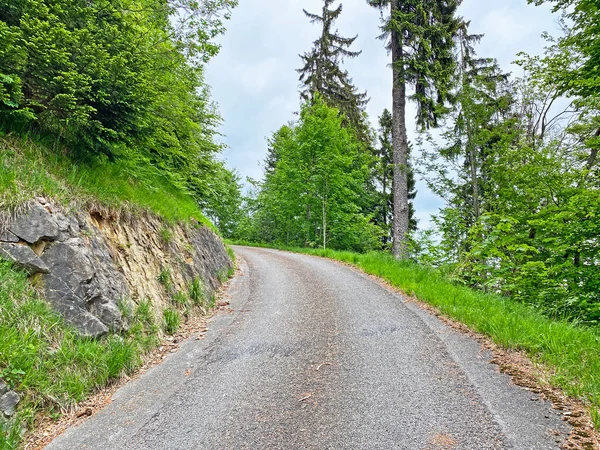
x,y
314,355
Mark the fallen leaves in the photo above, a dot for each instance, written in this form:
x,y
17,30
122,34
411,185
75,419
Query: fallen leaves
x,y
304,397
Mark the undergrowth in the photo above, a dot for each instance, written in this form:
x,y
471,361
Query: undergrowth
x,y
32,168
48,363
571,352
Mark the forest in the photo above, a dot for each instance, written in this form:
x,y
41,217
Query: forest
x,y
121,83
514,158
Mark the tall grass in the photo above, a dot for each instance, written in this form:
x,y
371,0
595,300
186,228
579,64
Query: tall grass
x,y
572,353
31,168
47,362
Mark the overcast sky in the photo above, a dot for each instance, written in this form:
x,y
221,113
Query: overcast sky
x,y
255,84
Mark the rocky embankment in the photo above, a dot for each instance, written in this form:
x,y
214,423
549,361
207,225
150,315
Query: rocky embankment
x,y
92,264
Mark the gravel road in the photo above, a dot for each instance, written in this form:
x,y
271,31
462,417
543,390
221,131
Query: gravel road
x,y
314,355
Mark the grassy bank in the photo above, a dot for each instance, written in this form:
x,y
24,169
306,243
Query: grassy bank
x,y
41,357
31,168
571,353
53,368
47,362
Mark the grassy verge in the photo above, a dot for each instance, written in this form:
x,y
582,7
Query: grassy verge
x,y
571,353
53,368
29,168
48,364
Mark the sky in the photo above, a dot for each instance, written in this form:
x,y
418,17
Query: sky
x,y
255,83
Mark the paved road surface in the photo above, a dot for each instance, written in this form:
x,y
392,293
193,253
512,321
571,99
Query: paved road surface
x,y
317,356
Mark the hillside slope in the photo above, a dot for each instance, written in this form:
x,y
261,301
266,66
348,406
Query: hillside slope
x,y
98,262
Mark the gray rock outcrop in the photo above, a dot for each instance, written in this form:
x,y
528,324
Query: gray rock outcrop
x,y
89,264
24,256
8,403
37,223
80,278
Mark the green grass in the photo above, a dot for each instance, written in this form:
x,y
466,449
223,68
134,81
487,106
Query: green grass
x,y
230,252
172,321
48,363
180,299
197,293
30,168
571,352
164,278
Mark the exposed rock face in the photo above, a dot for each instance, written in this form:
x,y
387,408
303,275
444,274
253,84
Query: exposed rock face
x,y
8,403
37,224
88,264
25,256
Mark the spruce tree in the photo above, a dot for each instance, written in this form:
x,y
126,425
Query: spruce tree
x,y
322,73
384,175
420,36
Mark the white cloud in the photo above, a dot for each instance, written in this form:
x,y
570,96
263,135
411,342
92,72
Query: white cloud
x,y
254,78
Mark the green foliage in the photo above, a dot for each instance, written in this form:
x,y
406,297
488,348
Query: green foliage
x,y
224,274
29,168
166,234
47,362
171,321
312,196
595,414
230,253
11,376
118,86
223,201
10,434
532,234
578,73
322,74
180,299
420,35
381,181
197,292
164,278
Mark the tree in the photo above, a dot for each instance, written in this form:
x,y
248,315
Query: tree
x,y
420,36
223,202
321,72
113,80
581,79
311,197
571,65
383,177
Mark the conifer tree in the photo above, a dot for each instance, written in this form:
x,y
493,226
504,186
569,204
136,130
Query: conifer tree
x,y
321,72
420,36
384,175
480,100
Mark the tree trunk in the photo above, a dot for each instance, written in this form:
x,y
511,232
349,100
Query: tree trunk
x,y
400,147
474,181
325,218
385,199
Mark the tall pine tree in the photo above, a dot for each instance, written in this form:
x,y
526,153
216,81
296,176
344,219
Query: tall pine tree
x,y
420,36
322,73
383,176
